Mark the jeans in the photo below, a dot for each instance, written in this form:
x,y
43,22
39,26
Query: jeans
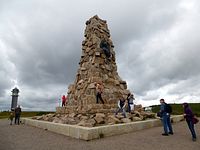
x,y
191,127
17,119
123,111
130,107
167,123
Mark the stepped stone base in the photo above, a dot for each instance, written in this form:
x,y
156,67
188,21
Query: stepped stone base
x,y
86,133
87,109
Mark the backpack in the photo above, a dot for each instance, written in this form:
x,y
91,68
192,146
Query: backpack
x,y
195,120
168,108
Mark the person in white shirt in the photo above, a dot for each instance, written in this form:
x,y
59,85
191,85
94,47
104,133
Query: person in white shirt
x,y
130,99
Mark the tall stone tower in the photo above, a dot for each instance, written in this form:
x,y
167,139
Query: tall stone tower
x,y
14,95
97,64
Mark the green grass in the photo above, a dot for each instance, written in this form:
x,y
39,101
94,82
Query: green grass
x,y
24,114
177,109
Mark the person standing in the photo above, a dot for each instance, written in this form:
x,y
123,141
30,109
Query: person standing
x,y
130,99
165,117
64,99
188,115
121,107
17,114
11,117
99,91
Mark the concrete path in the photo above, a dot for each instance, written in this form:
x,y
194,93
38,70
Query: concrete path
x,y
22,137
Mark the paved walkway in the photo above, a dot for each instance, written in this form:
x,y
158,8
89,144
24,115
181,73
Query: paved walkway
x,y
22,137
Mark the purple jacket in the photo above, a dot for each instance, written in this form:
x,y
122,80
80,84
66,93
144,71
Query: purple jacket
x,y
188,112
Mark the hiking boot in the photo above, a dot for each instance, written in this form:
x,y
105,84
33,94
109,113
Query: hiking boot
x,y
171,133
165,134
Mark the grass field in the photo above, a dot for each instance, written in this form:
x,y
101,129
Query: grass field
x,y
24,114
177,109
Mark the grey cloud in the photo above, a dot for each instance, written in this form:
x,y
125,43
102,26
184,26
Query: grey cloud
x,y
186,87
45,56
43,42
132,24
163,62
4,84
6,69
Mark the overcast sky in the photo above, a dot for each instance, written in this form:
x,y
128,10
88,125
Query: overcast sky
x,y
156,42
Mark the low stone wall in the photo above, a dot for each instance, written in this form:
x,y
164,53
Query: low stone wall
x,y
86,133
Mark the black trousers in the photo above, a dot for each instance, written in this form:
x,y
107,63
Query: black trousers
x,y
17,119
98,96
63,104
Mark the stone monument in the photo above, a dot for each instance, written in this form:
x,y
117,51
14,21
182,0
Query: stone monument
x,y
97,65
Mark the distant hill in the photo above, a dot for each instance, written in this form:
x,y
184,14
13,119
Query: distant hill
x,y
178,108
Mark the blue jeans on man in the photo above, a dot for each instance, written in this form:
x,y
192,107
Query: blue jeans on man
x,y
191,127
167,124
17,119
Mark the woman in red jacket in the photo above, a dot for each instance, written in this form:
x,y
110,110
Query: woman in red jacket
x,y
64,100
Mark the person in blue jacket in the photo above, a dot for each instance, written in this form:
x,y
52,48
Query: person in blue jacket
x,y
165,117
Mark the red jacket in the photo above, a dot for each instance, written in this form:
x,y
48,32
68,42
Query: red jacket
x,y
64,98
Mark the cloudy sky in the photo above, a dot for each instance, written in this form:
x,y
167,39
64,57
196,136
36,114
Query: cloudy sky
x,y
156,42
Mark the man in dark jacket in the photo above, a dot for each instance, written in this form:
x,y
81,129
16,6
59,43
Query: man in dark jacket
x,y
17,114
165,117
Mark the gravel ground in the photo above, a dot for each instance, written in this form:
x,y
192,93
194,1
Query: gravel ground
x,y
22,137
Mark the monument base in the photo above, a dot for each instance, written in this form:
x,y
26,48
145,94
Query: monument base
x,y
86,133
